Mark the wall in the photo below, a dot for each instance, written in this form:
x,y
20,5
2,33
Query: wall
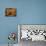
x,y
28,12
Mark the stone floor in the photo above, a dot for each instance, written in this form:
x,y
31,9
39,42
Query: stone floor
x,y
34,43
7,45
28,43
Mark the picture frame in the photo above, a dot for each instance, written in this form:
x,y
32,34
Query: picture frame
x,y
10,12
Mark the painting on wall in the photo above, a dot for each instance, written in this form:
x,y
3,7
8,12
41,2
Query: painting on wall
x,y
10,12
32,32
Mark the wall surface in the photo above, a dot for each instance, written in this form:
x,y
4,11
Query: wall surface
x,y
28,12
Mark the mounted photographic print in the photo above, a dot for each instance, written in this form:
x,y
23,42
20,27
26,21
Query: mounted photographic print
x,y
10,12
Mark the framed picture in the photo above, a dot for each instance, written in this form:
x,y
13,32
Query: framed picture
x,y
10,12
32,32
